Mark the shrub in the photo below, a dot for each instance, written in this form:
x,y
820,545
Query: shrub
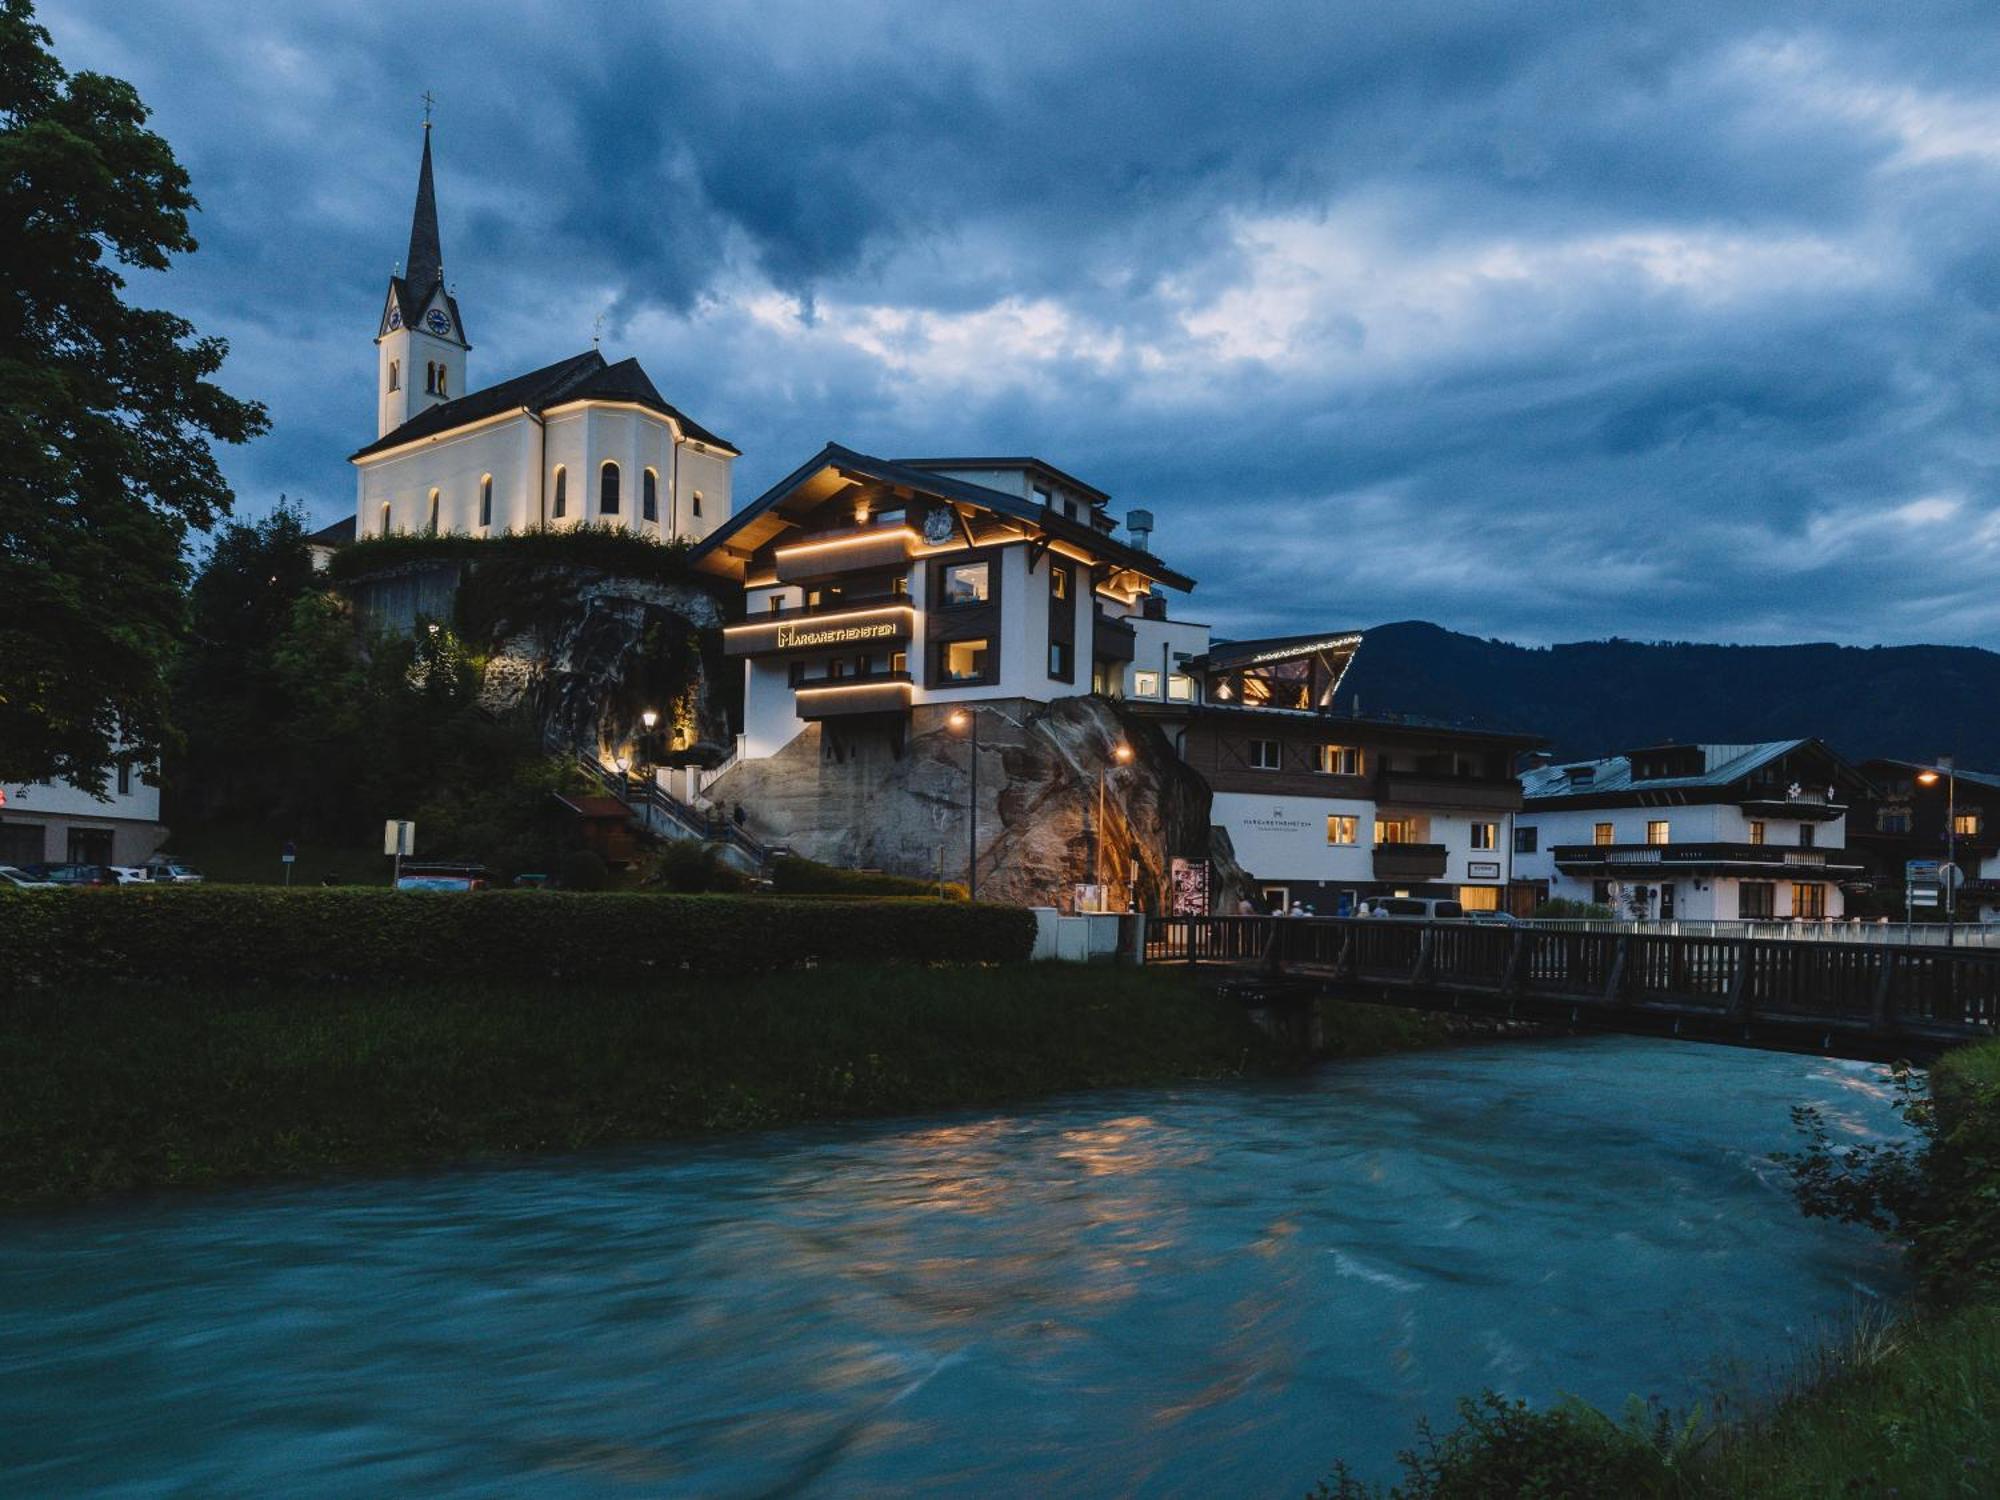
x,y
583,870
793,876
1562,906
692,868
262,935
605,548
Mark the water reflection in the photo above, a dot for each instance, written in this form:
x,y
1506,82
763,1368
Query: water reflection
x,y
1191,1292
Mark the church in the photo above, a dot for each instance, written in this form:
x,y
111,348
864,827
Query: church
x,y
582,442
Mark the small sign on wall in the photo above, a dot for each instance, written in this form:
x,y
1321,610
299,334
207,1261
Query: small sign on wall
x,y
1482,869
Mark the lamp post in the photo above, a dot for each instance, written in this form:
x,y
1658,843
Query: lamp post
x,y
1121,754
966,720
1946,768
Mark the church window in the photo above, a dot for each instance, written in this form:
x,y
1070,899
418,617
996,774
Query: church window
x,y
432,525
697,502
562,492
385,518
649,491
430,377
486,500
441,374
395,375
607,490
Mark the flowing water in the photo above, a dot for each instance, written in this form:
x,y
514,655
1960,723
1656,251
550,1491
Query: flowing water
x,y
1199,1291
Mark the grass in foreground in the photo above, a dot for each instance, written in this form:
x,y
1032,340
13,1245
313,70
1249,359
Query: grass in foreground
x,y
120,1089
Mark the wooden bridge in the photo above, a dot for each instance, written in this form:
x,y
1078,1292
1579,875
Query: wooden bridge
x,y
1871,1002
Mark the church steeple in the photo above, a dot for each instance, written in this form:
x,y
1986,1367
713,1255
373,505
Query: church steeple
x,y
424,268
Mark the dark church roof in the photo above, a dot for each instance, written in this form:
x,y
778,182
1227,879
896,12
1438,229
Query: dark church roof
x,y
582,377
333,534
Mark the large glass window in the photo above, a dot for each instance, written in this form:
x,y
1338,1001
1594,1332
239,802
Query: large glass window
x,y
1180,687
968,583
1809,902
1808,835
607,490
965,661
1145,684
1340,760
1479,897
1265,755
1342,829
1395,831
1756,898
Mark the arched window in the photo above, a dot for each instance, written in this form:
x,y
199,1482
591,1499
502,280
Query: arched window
x,y
649,497
486,500
430,377
395,374
432,525
561,507
441,374
385,518
607,490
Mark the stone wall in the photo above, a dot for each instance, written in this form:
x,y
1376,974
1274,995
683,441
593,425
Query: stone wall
x,y
856,797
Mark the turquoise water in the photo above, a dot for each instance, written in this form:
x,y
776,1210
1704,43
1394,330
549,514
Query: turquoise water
x,y
1201,1291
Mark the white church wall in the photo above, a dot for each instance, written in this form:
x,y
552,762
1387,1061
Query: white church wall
x,y
453,465
709,475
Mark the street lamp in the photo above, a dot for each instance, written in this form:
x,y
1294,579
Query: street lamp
x,y
648,718
966,721
1121,754
1946,768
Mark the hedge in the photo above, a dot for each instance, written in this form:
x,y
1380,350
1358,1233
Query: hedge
x,y
793,876
246,935
622,553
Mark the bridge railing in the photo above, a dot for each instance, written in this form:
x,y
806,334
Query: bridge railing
x,y
1734,978
1967,934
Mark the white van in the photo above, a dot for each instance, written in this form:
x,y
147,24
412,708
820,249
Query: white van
x,y
1414,908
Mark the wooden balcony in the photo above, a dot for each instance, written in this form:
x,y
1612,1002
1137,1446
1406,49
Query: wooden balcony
x,y
1723,859
1410,861
1414,789
1114,640
793,631
878,693
854,549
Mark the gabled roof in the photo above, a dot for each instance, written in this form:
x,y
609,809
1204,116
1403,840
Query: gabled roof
x,y
581,377
1988,779
1276,647
1614,772
333,534
759,521
1033,465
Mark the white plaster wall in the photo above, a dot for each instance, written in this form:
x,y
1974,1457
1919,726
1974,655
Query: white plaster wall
x,y
769,722
711,474
1284,838
1155,644
59,797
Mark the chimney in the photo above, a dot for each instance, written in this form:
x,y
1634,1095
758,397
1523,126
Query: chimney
x,y
1140,524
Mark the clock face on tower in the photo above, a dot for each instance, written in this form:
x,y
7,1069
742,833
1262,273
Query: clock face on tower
x,y
436,321
395,317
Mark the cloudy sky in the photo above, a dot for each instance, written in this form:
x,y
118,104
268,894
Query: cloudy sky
x,y
1546,322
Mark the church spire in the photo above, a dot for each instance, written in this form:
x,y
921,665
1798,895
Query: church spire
x,y
424,268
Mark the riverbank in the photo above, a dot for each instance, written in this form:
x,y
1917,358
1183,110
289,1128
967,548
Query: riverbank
x,y
119,1088
1907,1406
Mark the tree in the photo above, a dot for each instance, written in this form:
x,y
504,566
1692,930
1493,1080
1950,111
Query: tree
x,y
106,419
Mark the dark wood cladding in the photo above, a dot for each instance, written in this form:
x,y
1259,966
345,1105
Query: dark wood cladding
x,y
1062,618
1457,793
1221,752
882,692
1410,861
1114,639
946,623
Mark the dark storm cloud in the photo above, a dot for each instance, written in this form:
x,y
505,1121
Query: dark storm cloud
x,y
1664,320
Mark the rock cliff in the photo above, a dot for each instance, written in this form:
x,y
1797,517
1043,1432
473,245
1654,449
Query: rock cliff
x,y
860,800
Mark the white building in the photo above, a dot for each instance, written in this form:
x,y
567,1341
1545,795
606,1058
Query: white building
x,y
1722,832
579,442
52,822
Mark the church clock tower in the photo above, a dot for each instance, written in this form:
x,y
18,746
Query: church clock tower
x,y
421,344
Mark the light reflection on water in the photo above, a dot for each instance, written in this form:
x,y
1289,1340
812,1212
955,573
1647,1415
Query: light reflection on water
x,y
1178,1292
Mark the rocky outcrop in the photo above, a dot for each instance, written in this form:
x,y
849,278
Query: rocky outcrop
x,y
866,802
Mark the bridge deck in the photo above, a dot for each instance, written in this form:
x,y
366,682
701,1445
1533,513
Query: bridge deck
x,y
1854,999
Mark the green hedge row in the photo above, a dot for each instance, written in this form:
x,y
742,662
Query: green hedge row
x,y
793,876
242,935
624,553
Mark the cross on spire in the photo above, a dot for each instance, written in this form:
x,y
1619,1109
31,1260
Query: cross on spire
x,y
597,331
430,100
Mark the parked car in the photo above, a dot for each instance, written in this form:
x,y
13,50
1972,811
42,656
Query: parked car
x,y
166,870
441,877
129,874
21,880
69,876
1414,908
1493,918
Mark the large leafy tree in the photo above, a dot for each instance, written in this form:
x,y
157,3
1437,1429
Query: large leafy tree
x,y
107,414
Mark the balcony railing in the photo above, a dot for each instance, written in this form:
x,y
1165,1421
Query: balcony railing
x,y
1410,861
837,697
849,550
1705,856
1426,789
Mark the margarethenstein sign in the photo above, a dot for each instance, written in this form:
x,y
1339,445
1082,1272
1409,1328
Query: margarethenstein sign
x,y
803,635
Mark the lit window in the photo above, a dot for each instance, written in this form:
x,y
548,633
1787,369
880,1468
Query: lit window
x,y
964,661
561,507
1479,897
1757,830
1145,684
1395,831
968,583
1265,755
1180,687
1966,825
486,500
1601,834
649,497
1341,828
607,490
1657,831
1340,760
1059,583
1526,840
1809,902
899,661
385,518
777,603
1485,835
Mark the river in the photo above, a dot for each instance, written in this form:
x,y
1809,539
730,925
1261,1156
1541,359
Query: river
x,y
1201,1291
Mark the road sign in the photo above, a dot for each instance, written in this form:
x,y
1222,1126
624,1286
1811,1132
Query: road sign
x,y
399,836
1915,870
1923,895
1951,877
291,852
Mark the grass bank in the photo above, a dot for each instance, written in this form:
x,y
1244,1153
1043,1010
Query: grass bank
x,y
110,1088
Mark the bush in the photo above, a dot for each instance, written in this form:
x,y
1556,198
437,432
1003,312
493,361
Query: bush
x,y
260,935
605,548
692,868
583,870
1562,906
793,876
